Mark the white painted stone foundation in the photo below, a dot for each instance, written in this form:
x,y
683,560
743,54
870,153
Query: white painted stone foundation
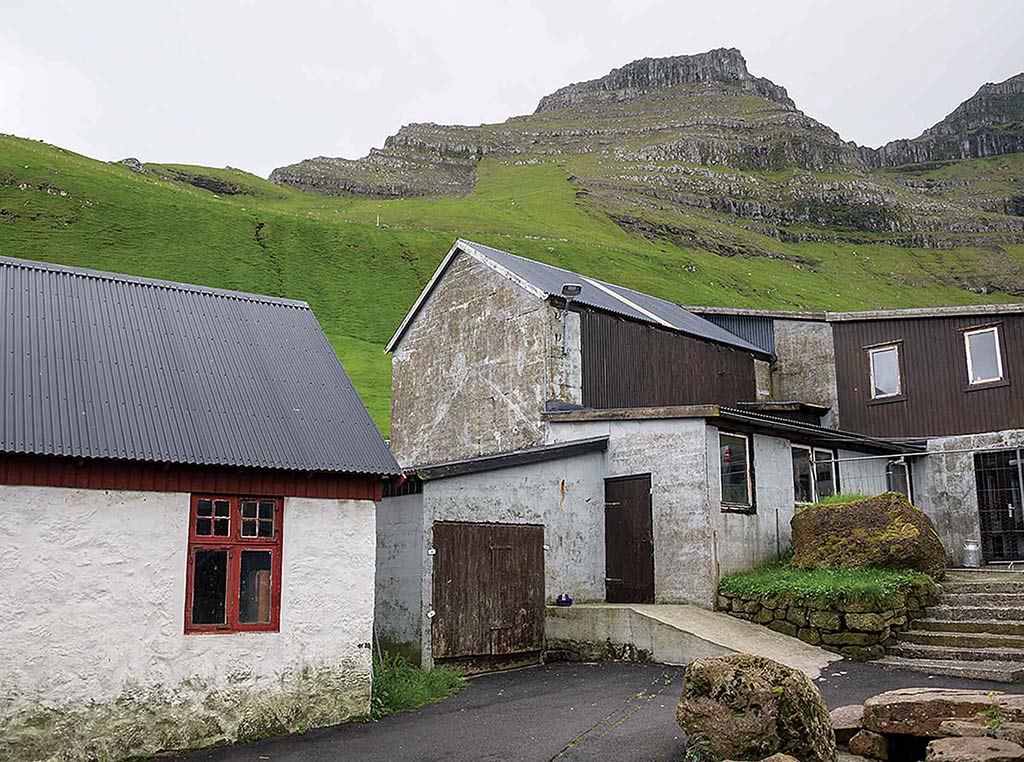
x,y
92,586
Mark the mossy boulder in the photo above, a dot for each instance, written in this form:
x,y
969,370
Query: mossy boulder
x,y
746,707
883,532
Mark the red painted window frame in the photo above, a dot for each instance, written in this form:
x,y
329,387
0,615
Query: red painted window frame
x,y
234,544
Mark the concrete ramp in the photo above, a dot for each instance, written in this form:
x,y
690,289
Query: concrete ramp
x,y
671,634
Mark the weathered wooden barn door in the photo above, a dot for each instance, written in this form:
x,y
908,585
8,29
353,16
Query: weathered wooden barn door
x,y
488,594
629,540
1000,504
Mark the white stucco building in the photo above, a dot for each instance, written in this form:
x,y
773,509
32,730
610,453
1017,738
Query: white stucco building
x,y
188,482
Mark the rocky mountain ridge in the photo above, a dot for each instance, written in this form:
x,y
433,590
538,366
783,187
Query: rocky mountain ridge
x,y
989,123
697,150
723,65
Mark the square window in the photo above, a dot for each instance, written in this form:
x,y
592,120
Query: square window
x,y
885,371
232,582
984,360
734,462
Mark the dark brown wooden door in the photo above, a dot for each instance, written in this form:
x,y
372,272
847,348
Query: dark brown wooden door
x,y
1000,509
629,540
488,591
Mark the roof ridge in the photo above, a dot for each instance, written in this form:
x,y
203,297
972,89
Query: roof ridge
x,y
608,283
85,272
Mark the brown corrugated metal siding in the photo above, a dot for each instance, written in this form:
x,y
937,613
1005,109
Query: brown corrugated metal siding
x,y
629,364
936,399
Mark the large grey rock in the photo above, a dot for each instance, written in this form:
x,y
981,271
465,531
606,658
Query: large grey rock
x,y
974,750
882,532
748,707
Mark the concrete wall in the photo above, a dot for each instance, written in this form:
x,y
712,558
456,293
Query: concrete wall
x,y
674,453
742,542
471,375
398,601
860,472
945,486
95,662
805,368
565,496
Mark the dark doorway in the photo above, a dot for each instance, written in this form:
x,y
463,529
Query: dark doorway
x,y
488,594
998,479
629,540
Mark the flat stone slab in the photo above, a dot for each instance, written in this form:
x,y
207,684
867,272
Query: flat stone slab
x,y
921,711
974,750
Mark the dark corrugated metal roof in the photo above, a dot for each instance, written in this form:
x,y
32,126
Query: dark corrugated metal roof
x,y
612,298
100,365
758,330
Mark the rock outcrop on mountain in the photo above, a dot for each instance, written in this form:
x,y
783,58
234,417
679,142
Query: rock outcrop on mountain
x,y
716,67
989,123
697,150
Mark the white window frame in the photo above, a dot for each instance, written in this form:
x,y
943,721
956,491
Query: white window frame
x,y
871,370
812,459
994,330
749,505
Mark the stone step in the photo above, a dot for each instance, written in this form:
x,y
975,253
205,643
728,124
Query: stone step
x,y
944,611
991,626
993,600
1000,672
945,653
961,639
992,570
987,586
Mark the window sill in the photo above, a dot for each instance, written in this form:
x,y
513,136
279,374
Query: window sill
x,y
227,631
747,510
981,386
887,400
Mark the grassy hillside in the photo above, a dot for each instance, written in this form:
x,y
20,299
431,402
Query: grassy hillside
x,y
360,278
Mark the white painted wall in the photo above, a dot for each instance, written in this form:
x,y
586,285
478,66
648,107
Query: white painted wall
x,y
92,586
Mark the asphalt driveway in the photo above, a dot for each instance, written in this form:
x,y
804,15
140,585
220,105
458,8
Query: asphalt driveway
x,y
557,711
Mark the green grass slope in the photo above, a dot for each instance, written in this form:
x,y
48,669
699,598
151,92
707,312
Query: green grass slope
x,y
360,278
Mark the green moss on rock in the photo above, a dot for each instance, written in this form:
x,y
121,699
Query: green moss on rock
x,y
884,532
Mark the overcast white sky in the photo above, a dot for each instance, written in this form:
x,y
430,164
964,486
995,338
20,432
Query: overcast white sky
x,y
259,84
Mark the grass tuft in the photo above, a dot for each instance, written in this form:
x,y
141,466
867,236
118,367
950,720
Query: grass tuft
x,y
398,686
843,497
831,584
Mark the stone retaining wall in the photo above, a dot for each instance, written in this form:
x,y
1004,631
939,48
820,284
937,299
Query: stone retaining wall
x,y
859,628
